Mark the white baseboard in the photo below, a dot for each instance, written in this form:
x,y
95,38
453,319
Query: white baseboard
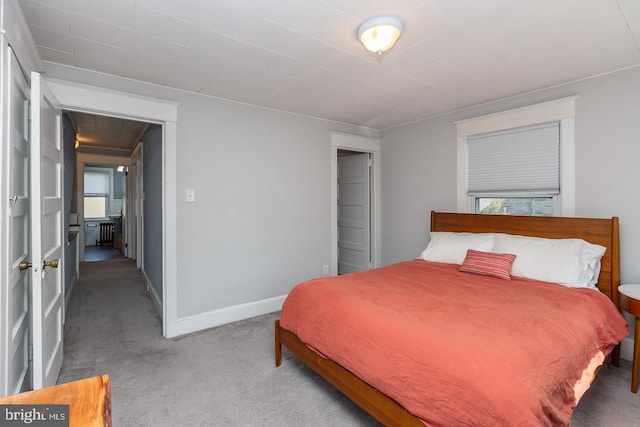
x,y
157,301
222,316
626,349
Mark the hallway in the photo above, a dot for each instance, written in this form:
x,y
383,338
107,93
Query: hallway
x,y
101,253
110,311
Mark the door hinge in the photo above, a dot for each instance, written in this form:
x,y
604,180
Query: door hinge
x,y
30,352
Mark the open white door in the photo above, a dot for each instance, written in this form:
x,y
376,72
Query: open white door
x,y
47,310
15,374
354,213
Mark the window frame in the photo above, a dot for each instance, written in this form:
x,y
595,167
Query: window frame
x,y
562,110
107,196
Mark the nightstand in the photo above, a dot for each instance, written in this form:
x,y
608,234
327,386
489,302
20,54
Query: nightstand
x,y
630,302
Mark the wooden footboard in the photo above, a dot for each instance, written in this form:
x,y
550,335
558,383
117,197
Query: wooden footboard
x,y
381,407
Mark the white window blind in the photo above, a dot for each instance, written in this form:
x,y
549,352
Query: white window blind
x,y
525,159
96,182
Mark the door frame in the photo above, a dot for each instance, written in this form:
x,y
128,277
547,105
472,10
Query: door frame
x,y
363,144
82,159
96,100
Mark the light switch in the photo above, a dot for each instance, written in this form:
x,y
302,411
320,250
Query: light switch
x,y
190,195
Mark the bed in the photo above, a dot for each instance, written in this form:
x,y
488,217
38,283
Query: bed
x,y
419,395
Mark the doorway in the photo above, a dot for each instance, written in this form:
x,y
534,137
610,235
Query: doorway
x,y
367,151
354,211
104,212
94,100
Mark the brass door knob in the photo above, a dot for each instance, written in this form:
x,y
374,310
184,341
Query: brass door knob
x,y
53,263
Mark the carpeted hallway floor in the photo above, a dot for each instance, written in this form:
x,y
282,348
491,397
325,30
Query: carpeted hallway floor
x,y
226,376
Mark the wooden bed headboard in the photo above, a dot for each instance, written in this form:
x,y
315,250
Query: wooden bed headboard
x,y
600,231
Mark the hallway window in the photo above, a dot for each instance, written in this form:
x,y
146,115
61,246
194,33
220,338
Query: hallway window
x,y
97,185
95,206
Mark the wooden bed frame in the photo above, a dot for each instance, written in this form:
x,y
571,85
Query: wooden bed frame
x,y
603,232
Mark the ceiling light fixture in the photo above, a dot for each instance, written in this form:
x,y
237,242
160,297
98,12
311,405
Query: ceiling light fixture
x,y
380,34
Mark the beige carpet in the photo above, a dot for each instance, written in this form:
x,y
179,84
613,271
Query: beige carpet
x,y
226,376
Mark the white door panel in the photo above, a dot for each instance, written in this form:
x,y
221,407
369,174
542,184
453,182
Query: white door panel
x,y
354,213
15,310
46,238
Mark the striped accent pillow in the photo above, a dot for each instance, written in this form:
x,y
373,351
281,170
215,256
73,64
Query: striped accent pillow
x,y
488,264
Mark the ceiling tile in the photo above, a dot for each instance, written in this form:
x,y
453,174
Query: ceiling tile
x,y
313,51
291,67
162,26
273,37
107,67
105,33
53,40
200,61
210,42
501,19
196,11
351,65
419,25
256,57
632,17
233,22
120,12
461,52
58,56
460,10
304,17
47,17
365,9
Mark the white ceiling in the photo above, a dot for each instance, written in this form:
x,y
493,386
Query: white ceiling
x,y
302,55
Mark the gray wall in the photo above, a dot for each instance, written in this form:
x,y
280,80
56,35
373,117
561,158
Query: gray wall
x,y
152,183
261,221
419,165
69,159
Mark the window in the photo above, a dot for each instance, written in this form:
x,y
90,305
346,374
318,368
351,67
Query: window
x,y
95,206
518,162
515,171
97,184
540,206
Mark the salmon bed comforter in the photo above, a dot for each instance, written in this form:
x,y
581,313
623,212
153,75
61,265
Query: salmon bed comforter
x,y
454,348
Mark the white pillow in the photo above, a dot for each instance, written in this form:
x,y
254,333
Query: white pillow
x,y
569,262
451,248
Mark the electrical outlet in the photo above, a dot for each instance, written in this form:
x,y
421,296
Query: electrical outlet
x,y
325,269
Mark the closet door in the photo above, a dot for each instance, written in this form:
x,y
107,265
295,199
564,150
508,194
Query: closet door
x,y
47,309
354,213
16,238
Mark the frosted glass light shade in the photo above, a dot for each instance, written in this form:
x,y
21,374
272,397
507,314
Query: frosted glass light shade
x,y
380,34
